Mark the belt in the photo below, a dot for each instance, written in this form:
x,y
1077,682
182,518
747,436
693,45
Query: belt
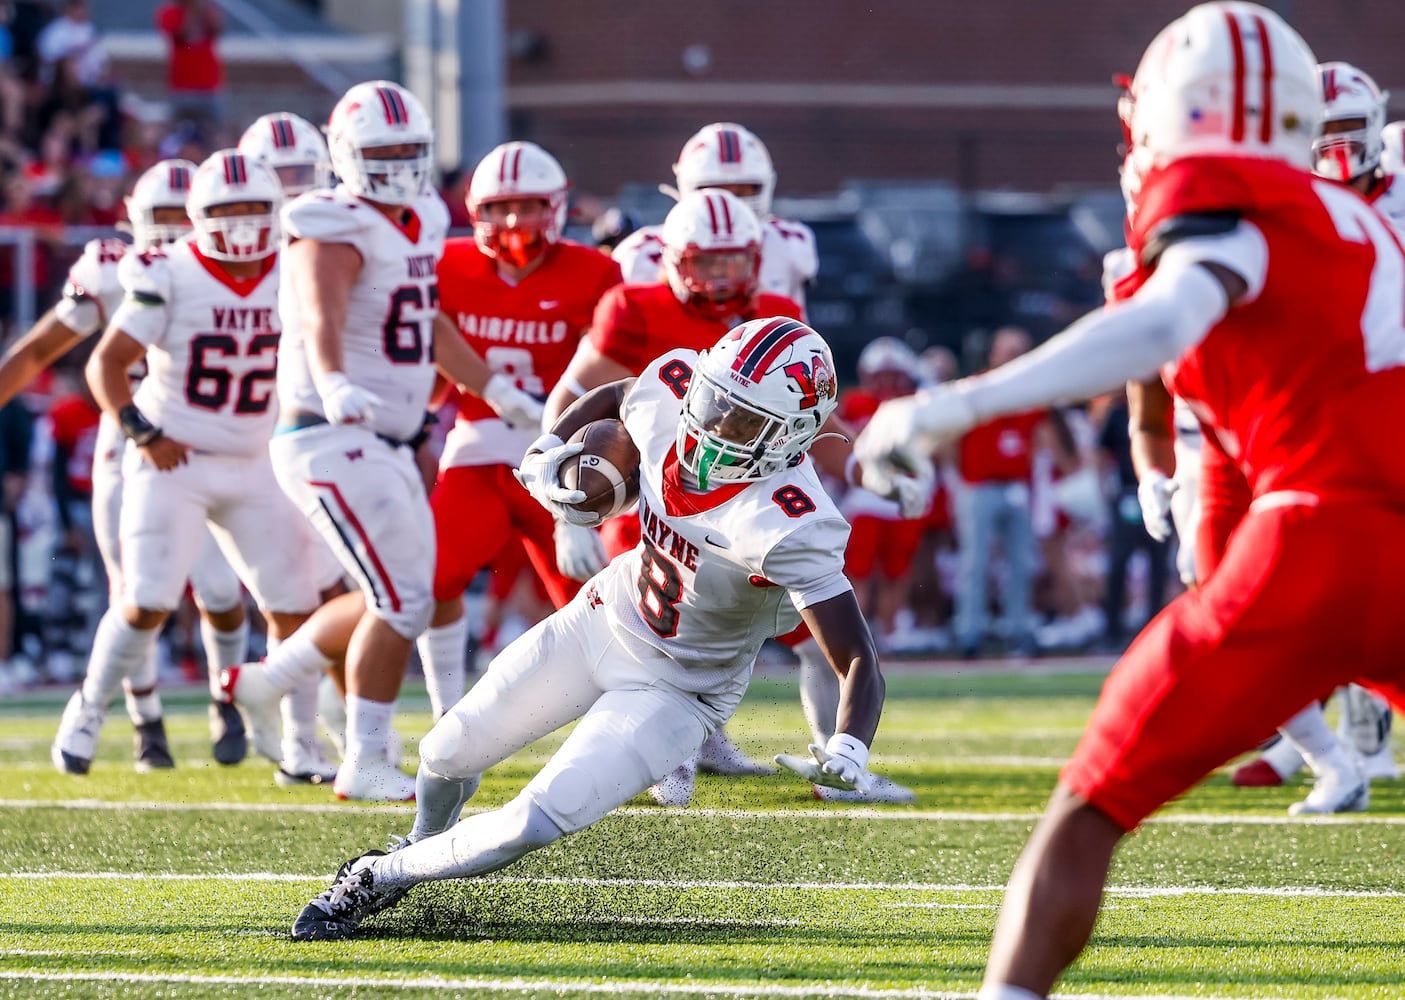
x,y
299,420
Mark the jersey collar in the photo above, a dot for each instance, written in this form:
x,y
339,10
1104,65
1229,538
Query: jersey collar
x,y
243,287
678,502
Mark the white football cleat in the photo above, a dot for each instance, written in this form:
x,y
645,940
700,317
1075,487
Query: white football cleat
x,y
249,687
884,790
675,789
1366,720
305,765
373,780
76,744
1381,766
1335,792
719,755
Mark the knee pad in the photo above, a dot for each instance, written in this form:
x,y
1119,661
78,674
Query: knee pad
x,y
444,750
568,799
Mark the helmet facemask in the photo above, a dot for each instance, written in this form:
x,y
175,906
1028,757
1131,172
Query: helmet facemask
x,y
237,236
723,438
397,179
516,230
715,283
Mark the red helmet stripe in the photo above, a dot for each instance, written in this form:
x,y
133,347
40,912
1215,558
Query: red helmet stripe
x,y
179,179
726,215
1266,100
283,136
1236,42
234,172
766,344
712,214
393,106
1329,85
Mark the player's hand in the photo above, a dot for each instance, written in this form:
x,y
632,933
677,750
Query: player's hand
x,y
912,493
1154,493
521,410
580,553
165,453
840,763
904,432
540,475
343,402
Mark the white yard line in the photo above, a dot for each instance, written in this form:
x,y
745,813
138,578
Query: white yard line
x,y
555,985
741,885
804,813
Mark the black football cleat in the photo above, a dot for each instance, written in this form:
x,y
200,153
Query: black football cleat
x,y
351,898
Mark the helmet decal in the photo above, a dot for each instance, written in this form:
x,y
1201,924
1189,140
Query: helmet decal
x,y
235,172
766,345
393,105
180,177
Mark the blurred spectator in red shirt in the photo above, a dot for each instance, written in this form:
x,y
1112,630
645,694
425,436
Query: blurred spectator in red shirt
x,y
196,77
992,505
454,190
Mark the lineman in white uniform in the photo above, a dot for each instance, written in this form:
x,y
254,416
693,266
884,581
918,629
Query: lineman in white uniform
x,y
657,649
294,148
361,337
204,314
729,156
156,209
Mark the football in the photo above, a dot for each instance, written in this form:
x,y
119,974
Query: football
x,y
607,470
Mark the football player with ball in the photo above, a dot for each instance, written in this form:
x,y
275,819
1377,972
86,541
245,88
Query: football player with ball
x,y
740,544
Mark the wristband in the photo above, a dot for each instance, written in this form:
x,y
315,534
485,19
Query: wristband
x,y
844,745
136,426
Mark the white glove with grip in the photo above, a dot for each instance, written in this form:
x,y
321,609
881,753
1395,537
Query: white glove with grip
x,y
580,554
841,763
540,473
518,408
1154,493
904,432
343,402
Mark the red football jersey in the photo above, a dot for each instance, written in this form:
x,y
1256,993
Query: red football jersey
x,y
1001,450
1301,385
75,430
634,324
529,330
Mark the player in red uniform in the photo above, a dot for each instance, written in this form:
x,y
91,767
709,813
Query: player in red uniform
x,y
1276,302
522,297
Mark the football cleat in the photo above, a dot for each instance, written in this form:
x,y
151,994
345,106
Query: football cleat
x,y
373,780
1381,766
152,750
719,755
675,789
77,741
351,898
305,766
1366,720
885,791
248,686
227,733
1335,792
1257,773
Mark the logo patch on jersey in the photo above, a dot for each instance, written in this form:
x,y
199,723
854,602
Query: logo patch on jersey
x,y
355,455
592,597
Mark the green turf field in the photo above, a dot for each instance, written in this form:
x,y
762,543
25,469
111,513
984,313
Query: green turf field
x,y
184,883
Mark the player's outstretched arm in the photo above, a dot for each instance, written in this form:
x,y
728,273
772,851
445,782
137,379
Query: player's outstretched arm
x,y
588,370
47,341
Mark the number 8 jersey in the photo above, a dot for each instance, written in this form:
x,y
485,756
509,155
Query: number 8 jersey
x,y
716,573
212,344
387,344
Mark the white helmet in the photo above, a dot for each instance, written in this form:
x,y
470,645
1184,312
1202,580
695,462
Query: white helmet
x,y
756,402
724,154
229,177
887,354
163,185
293,147
518,170
1351,99
1393,148
1226,78
381,113
712,252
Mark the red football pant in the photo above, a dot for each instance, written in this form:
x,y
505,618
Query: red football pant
x,y
888,545
1307,598
478,511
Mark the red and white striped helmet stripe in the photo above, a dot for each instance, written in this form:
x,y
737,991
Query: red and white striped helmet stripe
x,y
235,171
1240,110
393,105
720,215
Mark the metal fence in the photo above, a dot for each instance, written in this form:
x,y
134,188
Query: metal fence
x,y
33,265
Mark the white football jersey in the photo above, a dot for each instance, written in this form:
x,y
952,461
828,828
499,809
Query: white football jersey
x,y
1186,424
388,342
212,347
93,291
788,258
717,573
1390,201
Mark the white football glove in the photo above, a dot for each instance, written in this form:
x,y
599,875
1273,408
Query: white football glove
x,y
841,763
1154,493
343,402
540,475
903,432
579,552
521,410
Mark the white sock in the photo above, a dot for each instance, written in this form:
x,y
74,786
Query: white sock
x,y
119,652
222,651
293,659
438,801
331,710
1000,991
143,701
367,727
299,710
819,690
1309,733
444,656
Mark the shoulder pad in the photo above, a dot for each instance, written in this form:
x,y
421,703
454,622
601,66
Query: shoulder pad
x,y
1185,227
326,216
146,276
